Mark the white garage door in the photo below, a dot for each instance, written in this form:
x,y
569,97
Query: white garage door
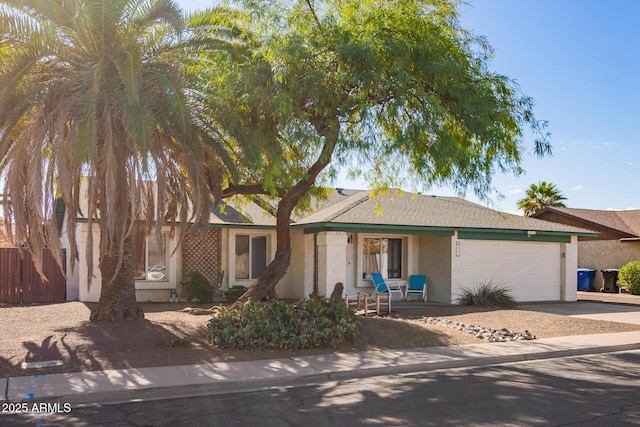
x,y
530,270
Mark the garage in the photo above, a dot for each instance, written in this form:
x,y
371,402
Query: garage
x,y
532,270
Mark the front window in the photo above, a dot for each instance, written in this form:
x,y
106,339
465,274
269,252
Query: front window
x,y
251,256
382,255
151,257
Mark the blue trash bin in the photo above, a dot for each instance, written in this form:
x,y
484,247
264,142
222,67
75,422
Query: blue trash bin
x,y
586,278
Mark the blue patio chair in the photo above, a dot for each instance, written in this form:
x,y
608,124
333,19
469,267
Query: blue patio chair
x,y
417,285
383,288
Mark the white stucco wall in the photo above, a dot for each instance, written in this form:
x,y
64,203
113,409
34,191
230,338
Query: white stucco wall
x,y
332,256
351,262
224,257
570,265
73,277
145,290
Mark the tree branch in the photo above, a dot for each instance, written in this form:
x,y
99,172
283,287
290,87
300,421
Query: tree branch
x,y
248,189
313,12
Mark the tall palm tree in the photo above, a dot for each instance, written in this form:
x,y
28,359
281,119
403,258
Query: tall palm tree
x,y
97,91
540,196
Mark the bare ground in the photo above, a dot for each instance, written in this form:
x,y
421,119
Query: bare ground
x,y
170,337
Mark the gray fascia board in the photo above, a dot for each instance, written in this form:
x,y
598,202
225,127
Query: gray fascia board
x,y
541,232
399,229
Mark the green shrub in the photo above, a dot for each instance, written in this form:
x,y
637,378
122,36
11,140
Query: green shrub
x,y
315,322
487,295
232,294
198,288
629,277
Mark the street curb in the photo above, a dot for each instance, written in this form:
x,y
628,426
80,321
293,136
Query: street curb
x,y
312,376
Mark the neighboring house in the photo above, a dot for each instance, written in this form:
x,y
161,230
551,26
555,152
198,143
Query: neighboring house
x,y
455,243
618,241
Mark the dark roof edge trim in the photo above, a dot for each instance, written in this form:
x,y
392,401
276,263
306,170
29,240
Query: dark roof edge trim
x,y
531,232
447,231
516,236
397,229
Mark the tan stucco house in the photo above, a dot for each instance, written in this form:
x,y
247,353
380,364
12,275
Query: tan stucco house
x,y
455,243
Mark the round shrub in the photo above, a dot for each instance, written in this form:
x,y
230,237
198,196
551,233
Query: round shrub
x,y
629,277
315,322
198,287
232,294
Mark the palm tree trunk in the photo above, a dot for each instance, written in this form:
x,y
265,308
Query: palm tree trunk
x,y
118,296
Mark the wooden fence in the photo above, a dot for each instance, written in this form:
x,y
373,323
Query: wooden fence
x,y
20,282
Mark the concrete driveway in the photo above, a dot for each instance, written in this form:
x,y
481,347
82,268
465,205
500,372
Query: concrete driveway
x,y
590,310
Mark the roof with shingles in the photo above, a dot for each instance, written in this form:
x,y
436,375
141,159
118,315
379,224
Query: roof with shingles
x,y
255,211
627,221
397,208
236,211
394,208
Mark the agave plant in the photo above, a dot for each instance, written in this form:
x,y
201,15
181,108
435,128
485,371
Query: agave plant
x,y
487,295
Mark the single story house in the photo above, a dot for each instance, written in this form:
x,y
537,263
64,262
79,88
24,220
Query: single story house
x,y
455,243
618,241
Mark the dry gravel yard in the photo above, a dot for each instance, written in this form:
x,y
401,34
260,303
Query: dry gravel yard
x,y
63,332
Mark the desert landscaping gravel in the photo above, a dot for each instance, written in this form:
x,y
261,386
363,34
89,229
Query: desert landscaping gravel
x,y
168,336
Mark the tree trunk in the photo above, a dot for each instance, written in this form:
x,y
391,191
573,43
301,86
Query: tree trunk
x,y
265,285
118,296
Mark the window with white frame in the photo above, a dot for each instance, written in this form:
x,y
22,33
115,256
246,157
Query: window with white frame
x,y
151,257
251,256
382,255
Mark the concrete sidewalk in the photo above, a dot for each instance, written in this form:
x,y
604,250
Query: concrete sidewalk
x,y
215,378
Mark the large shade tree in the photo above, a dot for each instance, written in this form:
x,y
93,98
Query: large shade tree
x,y
396,90
541,195
95,105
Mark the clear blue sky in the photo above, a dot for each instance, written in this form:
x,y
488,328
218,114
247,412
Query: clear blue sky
x,y
580,61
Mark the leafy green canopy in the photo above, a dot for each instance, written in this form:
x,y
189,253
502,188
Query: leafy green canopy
x,y
396,90
102,90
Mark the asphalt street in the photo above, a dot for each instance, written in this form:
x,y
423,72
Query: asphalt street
x,y
598,390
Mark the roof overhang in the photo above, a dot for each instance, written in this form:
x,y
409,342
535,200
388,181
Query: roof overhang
x,y
463,233
377,228
520,235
